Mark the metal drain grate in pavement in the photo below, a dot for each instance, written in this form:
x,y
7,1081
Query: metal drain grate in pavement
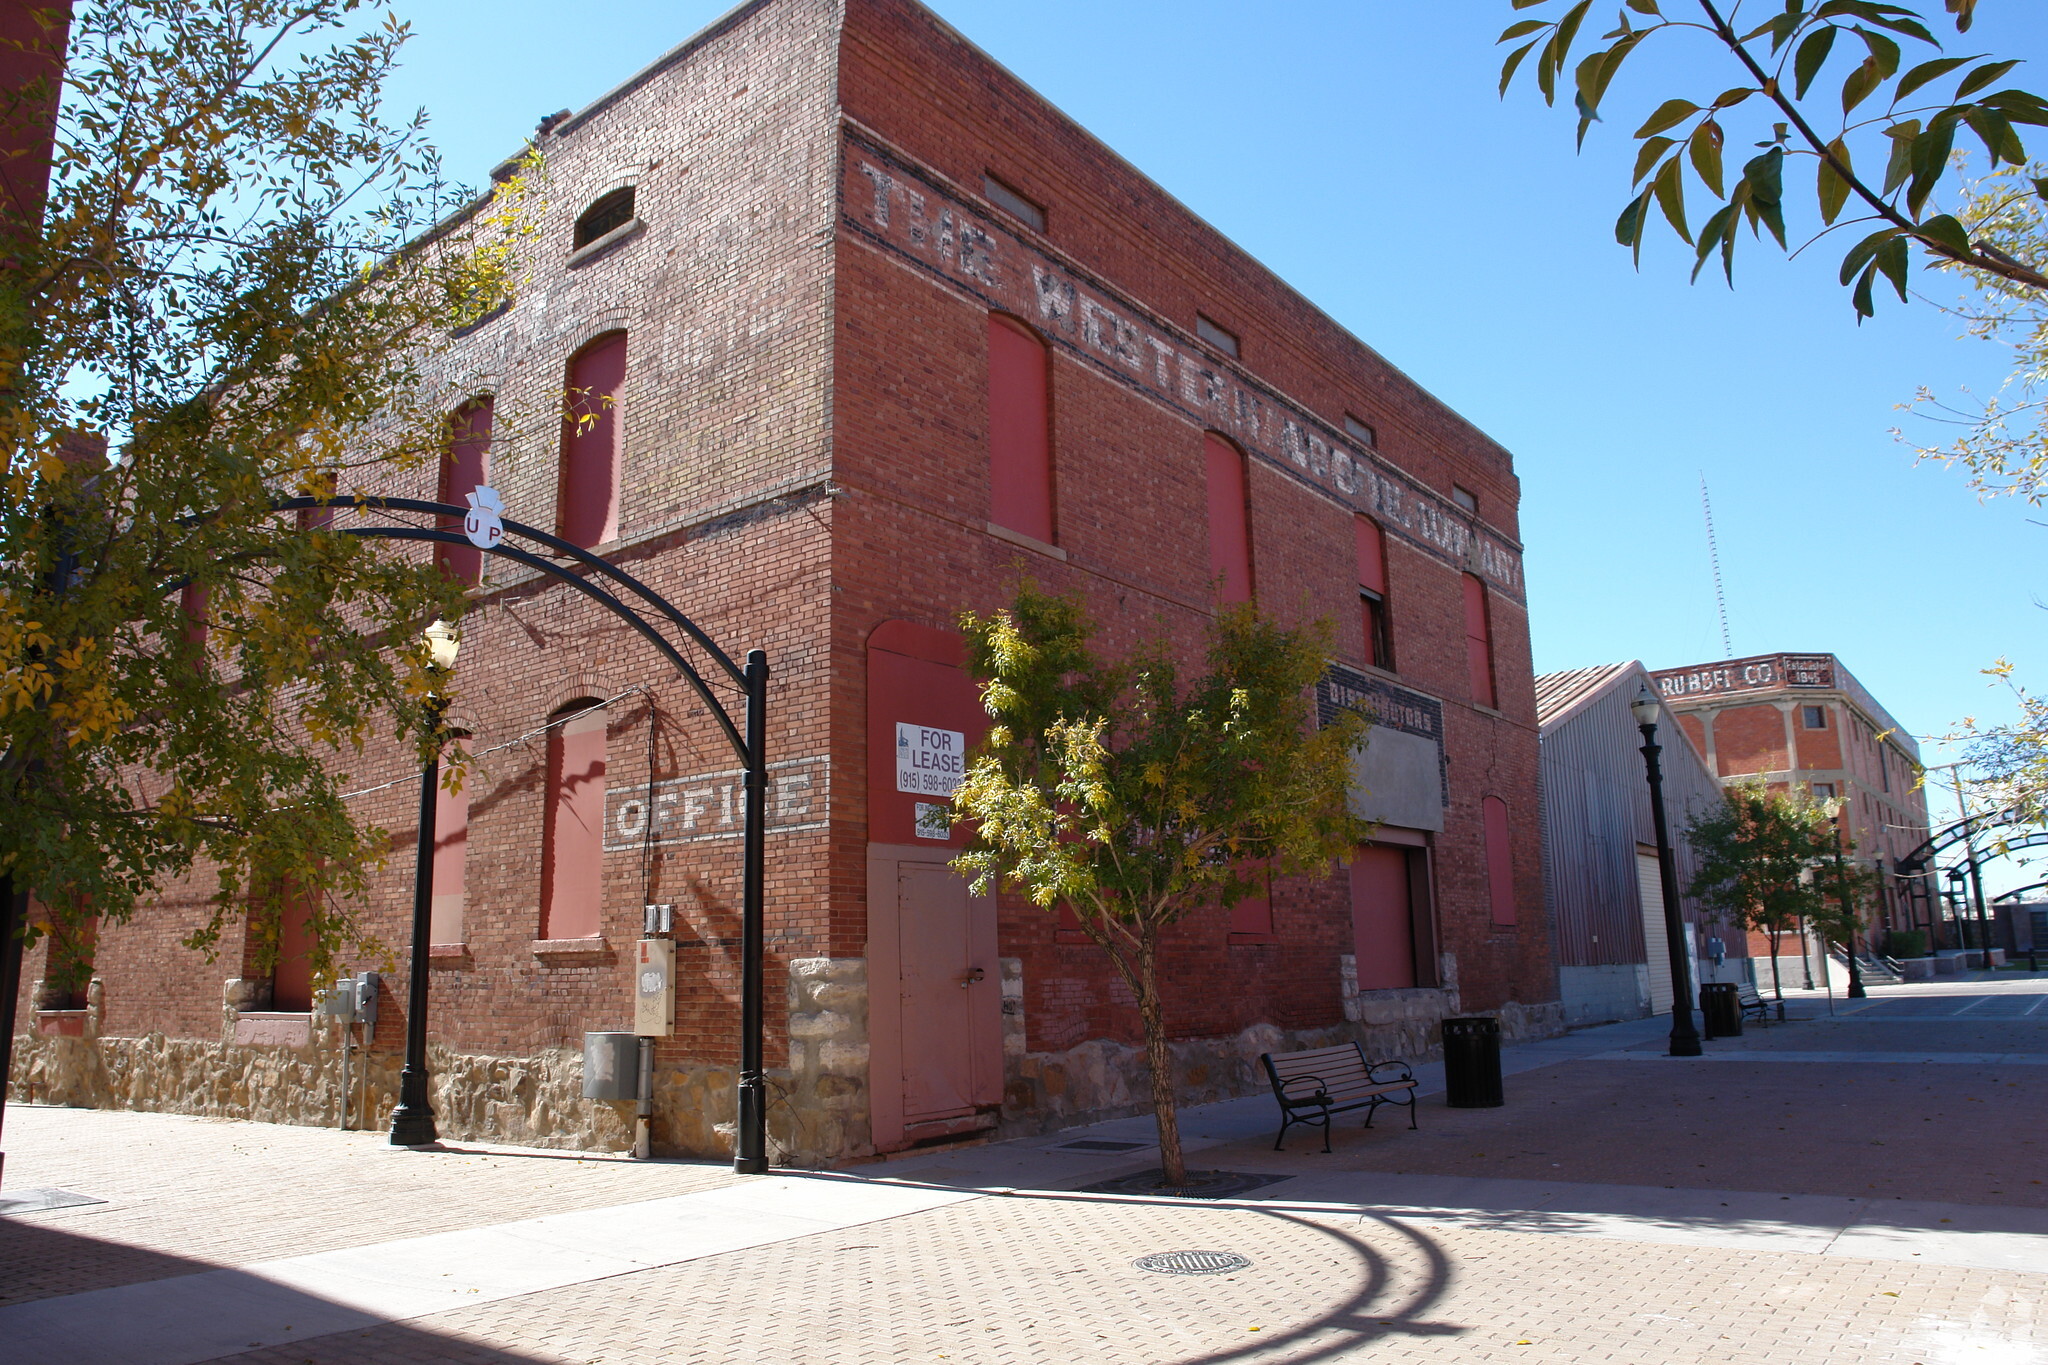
x,y
1192,1262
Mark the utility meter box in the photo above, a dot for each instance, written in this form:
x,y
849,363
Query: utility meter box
x,y
611,1066
654,988
340,1002
365,986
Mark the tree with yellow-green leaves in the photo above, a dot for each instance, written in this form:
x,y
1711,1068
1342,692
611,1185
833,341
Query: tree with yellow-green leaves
x,y
1135,797
239,291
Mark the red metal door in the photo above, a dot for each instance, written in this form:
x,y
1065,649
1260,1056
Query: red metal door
x,y
952,999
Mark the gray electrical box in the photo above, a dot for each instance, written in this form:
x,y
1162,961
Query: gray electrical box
x,y
365,984
611,1066
340,1003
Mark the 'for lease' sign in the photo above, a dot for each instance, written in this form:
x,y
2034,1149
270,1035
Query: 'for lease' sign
x,y
929,762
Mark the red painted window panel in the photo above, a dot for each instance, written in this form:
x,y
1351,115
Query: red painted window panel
x,y
291,984
1372,555
1251,919
1372,594
1019,436
572,838
465,466
318,518
1478,642
1230,541
451,862
192,601
589,495
1382,918
1500,860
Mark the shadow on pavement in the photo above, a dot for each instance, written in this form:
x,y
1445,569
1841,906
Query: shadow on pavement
x,y
64,1295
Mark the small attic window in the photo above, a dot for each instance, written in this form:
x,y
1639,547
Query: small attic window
x,y
1465,498
1222,340
1361,432
610,212
1016,205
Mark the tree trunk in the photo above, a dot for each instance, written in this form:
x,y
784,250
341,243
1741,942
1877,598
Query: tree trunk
x,y
1776,988
1171,1164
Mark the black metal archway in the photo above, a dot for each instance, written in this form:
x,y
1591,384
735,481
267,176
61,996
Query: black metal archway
x,y
1917,870
653,617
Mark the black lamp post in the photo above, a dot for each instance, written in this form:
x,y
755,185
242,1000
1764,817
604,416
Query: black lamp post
x,y
412,1123
1685,1038
1850,915
1959,901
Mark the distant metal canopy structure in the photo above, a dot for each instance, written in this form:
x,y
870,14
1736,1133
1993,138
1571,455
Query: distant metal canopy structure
x,y
653,617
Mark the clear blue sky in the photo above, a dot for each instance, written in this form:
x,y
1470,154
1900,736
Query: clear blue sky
x,y
1360,151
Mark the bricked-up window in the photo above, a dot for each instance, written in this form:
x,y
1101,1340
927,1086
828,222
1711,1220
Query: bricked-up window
x,y
1372,593
1500,860
1383,916
607,214
1030,214
1230,539
572,833
465,465
1814,717
1019,431
588,499
1478,642
451,859
1222,338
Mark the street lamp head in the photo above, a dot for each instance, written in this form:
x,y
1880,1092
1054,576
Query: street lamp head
x,y
1646,706
443,640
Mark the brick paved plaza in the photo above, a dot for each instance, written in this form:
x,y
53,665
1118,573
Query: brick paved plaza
x,y
1866,1188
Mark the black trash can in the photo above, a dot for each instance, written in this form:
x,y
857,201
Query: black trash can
x,y
1472,1064
1720,1010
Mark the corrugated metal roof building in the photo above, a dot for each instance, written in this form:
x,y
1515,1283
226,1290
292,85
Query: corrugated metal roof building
x,y
1600,873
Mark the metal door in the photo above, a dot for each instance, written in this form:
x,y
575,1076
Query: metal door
x,y
1650,883
952,997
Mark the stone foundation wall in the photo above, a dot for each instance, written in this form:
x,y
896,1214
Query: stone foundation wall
x,y
287,1068
1102,1079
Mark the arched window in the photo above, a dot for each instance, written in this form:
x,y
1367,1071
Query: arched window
x,y
451,859
587,501
1230,537
1479,642
465,466
1372,594
1019,431
572,832
607,213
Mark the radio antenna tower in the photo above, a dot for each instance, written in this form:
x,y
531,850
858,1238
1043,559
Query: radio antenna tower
x,y
1714,559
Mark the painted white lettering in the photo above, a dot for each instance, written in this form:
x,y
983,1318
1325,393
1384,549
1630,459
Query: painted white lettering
x,y
1055,299
883,183
792,795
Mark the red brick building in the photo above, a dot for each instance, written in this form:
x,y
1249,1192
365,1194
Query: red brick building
x,y
1803,720
883,332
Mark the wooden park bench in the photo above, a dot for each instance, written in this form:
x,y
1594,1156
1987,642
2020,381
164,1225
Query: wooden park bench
x,y
1753,1002
1312,1086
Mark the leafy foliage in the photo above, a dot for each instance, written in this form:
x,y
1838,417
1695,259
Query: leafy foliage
x,y
1135,798
235,291
1757,852
1881,143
